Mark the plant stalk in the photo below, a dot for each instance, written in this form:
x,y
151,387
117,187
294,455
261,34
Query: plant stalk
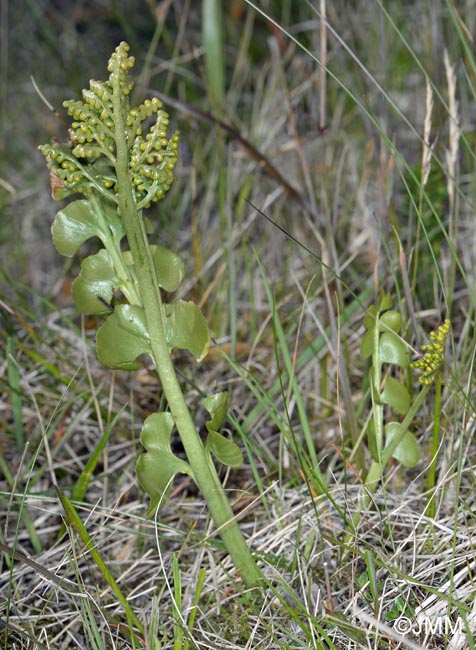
x,y
435,443
377,468
204,471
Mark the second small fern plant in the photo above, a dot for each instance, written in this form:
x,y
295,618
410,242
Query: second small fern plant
x,y
121,160
392,407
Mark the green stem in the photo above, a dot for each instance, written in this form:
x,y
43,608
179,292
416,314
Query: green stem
x,y
435,443
204,471
404,425
113,248
375,388
377,468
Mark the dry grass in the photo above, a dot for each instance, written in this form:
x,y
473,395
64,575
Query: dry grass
x,y
286,304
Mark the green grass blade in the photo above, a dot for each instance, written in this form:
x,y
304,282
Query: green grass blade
x,y
372,576
76,523
212,27
81,486
24,513
309,354
16,396
196,601
178,630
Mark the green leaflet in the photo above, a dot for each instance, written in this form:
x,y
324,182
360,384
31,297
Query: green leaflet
x,y
393,350
396,395
81,220
381,341
73,225
384,326
186,328
407,451
367,344
123,337
224,450
217,405
156,467
391,319
97,279
169,267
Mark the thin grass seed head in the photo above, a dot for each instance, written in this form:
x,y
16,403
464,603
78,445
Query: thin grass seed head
x,y
431,362
87,164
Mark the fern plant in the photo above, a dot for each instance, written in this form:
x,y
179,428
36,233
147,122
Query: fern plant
x,y
121,160
393,409
387,352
